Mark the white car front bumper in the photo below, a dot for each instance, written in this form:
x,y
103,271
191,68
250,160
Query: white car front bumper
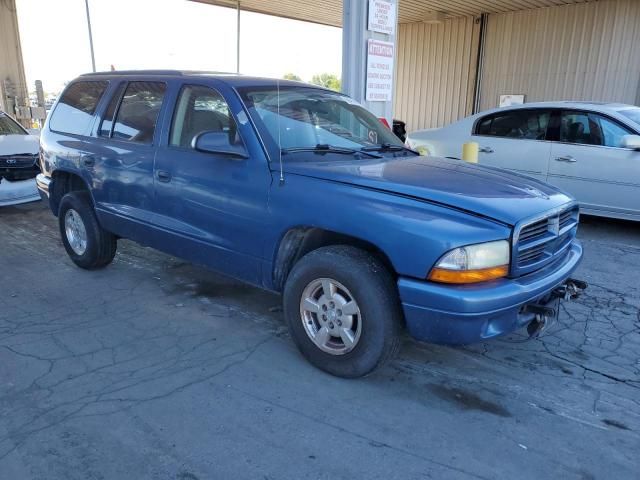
x,y
14,193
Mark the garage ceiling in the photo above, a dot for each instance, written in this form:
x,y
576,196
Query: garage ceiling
x,y
329,12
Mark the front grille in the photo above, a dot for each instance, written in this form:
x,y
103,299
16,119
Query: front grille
x,y
18,161
540,241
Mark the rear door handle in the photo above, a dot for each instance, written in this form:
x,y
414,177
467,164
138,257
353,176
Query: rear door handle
x,y
568,159
485,150
163,176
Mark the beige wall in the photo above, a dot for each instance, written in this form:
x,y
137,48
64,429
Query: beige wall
x,y
11,65
435,72
587,51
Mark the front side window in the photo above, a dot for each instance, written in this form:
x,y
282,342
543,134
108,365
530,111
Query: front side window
x,y
612,132
519,124
590,129
9,127
201,109
138,112
301,117
576,127
76,107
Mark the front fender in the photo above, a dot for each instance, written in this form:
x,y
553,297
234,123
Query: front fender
x,y
412,234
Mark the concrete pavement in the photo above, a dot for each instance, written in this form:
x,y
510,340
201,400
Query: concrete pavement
x,y
155,369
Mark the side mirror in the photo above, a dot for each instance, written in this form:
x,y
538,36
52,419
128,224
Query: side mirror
x,y
217,142
631,141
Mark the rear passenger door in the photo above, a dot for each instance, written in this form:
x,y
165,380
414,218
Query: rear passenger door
x,y
515,140
212,207
122,158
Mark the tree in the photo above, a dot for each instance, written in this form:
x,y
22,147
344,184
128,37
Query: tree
x,y
291,76
327,80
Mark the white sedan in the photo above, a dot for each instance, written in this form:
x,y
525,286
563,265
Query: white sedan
x,y
18,163
591,150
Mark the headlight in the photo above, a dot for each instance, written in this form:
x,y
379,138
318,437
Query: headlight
x,y
421,149
473,263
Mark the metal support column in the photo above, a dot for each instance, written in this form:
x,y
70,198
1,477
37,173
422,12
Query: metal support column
x,y
354,55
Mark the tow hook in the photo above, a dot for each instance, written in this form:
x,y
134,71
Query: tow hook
x,y
546,316
570,290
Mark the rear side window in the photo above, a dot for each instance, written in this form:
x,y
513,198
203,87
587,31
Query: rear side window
x,y
107,121
520,124
138,112
76,107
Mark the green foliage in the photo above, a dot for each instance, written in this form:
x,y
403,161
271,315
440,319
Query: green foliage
x,y
291,76
327,80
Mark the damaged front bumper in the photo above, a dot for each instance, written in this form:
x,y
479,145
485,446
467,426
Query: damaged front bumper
x,y
464,314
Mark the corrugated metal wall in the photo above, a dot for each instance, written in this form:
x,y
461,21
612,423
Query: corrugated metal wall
x,y
11,65
435,72
577,52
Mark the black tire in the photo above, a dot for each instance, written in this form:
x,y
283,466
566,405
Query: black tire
x,y
373,288
100,245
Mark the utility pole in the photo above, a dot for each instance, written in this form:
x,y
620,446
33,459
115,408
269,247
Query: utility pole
x,y
93,58
238,36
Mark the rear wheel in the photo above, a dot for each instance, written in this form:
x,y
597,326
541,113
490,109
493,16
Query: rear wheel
x,y
86,242
342,310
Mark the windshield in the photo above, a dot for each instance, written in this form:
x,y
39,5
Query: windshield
x,y
631,113
9,127
307,117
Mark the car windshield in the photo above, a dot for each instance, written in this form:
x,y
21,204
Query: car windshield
x,y
305,117
631,113
9,127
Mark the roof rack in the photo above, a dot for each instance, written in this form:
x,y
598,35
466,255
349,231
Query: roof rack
x,y
157,72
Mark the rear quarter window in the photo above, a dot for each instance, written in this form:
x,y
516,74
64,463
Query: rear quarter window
x,y
76,107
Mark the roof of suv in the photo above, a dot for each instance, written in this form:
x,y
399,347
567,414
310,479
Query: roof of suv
x,y
234,79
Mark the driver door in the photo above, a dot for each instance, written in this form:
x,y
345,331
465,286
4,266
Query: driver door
x,y
213,205
589,162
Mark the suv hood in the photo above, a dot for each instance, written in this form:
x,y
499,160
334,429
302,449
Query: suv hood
x,y
490,192
18,144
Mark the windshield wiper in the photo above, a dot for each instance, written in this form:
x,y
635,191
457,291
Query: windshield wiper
x,y
325,148
387,147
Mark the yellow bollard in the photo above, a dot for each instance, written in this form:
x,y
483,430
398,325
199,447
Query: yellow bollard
x,y
470,152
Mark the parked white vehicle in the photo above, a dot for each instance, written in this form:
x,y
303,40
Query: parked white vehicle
x,y
18,163
591,150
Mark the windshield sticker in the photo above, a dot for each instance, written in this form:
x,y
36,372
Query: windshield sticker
x,y
242,117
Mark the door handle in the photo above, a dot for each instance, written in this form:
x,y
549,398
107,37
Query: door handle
x,y
568,159
163,176
88,161
485,150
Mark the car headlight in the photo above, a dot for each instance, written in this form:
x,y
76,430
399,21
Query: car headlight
x,y
473,263
421,149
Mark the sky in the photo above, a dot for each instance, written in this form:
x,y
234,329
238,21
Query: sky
x,y
175,34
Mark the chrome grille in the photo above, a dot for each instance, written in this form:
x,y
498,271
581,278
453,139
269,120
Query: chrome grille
x,y
18,161
540,241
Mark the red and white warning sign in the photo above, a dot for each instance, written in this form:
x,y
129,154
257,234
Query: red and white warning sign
x,y
379,70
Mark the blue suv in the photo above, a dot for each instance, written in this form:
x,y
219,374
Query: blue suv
x,y
300,190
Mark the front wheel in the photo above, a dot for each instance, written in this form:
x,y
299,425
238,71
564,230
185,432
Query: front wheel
x,y
86,242
342,310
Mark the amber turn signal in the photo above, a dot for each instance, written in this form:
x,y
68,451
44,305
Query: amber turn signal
x,y
468,276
